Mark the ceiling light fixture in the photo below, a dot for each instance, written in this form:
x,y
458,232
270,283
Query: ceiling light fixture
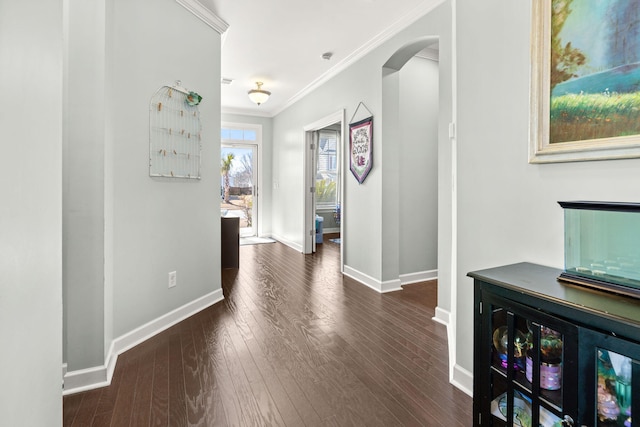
x,y
259,95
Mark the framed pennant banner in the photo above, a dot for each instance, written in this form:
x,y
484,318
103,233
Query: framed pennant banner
x,y
361,148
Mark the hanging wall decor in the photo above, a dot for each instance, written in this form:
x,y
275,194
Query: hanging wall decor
x,y
361,145
585,96
175,138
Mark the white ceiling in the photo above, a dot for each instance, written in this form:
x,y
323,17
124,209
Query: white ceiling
x,y
281,42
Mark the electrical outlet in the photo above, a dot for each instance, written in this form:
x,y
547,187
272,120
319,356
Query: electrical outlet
x,y
173,280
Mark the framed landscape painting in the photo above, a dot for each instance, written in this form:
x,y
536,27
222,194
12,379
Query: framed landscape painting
x,y
585,80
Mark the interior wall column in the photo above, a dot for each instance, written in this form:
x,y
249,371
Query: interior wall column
x,y
391,146
83,184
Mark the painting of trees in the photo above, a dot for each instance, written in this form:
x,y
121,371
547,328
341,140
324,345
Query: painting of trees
x,y
586,81
594,69
565,59
623,38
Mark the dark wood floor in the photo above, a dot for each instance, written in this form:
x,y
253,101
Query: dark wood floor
x,y
293,344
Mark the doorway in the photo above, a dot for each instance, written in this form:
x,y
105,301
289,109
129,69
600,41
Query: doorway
x,y
412,129
324,185
239,189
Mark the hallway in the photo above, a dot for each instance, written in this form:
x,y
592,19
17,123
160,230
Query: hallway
x,y
293,343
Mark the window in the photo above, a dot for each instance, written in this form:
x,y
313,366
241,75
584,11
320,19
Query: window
x,y
238,134
327,170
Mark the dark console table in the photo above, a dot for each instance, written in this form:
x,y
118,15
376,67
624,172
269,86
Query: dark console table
x,y
230,242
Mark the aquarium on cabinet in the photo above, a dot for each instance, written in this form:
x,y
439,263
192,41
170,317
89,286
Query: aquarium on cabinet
x,y
601,246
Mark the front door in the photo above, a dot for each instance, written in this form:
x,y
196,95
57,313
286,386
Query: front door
x,y
238,187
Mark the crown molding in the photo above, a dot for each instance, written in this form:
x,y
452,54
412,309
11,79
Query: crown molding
x,y
418,12
246,112
205,15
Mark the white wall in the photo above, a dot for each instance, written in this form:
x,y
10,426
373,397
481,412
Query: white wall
x,y
118,58
507,207
362,211
265,167
418,150
161,224
31,57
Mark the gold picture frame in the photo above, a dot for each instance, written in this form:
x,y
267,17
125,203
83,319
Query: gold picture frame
x,y
546,120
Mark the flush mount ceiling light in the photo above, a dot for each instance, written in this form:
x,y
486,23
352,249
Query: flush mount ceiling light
x,y
259,95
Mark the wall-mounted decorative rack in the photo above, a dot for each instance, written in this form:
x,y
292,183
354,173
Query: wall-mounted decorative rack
x,y
175,133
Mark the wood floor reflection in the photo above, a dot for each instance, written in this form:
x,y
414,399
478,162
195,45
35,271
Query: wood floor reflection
x,y
294,343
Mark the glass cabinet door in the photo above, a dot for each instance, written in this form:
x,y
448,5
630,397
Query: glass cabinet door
x,y
611,367
531,356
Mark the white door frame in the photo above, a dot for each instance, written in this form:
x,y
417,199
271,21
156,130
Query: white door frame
x,y
257,164
309,181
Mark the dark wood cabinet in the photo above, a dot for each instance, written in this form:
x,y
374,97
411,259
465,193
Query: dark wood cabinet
x,y
230,237
549,353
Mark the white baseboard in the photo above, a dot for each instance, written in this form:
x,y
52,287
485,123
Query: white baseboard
x,y
442,316
292,245
376,285
391,286
331,230
85,379
463,380
100,376
420,276
458,376
64,372
146,331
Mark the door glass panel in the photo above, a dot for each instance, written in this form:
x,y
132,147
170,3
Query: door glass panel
x,y
614,372
327,170
550,356
237,186
526,370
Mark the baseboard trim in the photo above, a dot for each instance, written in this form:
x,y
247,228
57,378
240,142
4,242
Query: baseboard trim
x,y
64,372
420,276
100,376
376,285
391,286
330,230
144,332
85,379
458,376
442,316
463,380
289,243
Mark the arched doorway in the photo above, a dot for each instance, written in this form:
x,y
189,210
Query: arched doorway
x,y
410,137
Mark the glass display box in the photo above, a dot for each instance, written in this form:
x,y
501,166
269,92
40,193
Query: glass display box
x,y
602,245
